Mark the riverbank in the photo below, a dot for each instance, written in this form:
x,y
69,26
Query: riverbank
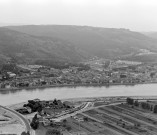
x,y
19,96
89,99
74,85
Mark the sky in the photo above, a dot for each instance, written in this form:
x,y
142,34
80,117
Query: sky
x,y
137,15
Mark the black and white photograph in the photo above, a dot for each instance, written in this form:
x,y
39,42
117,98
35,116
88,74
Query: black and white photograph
x,y
78,67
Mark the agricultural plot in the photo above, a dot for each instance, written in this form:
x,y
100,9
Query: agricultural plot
x,y
120,119
137,114
140,111
108,122
124,120
91,127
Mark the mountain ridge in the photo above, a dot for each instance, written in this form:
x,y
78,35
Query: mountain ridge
x,y
72,43
27,48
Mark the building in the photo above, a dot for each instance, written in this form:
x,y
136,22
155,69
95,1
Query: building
x,y
36,100
11,75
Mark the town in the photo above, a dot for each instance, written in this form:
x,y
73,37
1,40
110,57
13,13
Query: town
x,y
94,72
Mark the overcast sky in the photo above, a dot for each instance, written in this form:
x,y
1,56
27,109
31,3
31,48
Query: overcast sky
x,y
138,15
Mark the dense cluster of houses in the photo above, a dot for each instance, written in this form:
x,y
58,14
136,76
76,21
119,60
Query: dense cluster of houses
x,y
45,76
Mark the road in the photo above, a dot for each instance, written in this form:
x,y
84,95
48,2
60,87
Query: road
x,y
23,120
85,108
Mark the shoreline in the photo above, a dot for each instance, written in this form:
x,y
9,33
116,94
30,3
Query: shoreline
x,y
88,99
74,85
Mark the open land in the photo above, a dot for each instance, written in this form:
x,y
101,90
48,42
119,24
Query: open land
x,y
95,116
9,123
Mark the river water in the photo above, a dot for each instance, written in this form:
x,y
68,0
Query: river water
x,y
13,97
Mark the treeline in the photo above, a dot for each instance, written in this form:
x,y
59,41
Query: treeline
x,y
143,105
146,106
35,122
62,64
35,106
9,67
12,67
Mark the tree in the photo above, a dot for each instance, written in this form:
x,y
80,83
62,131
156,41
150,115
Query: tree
x,y
137,125
130,101
34,125
64,121
136,103
85,119
155,109
10,67
145,105
39,109
35,122
123,125
151,108
35,106
55,101
68,128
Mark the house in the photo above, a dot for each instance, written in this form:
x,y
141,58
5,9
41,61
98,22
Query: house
x,y
46,122
7,86
64,71
11,75
36,100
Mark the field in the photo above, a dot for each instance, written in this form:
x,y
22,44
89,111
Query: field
x,y
105,119
119,119
10,124
90,126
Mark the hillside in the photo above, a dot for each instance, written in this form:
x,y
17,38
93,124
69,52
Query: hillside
x,y
102,42
51,43
151,34
27,48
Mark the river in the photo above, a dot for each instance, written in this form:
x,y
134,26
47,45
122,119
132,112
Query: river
x,y
17,96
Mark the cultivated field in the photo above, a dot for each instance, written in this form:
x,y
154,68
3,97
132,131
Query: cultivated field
x,y
120,119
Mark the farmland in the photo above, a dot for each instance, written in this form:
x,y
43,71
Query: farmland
x,y
122,119
100,116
